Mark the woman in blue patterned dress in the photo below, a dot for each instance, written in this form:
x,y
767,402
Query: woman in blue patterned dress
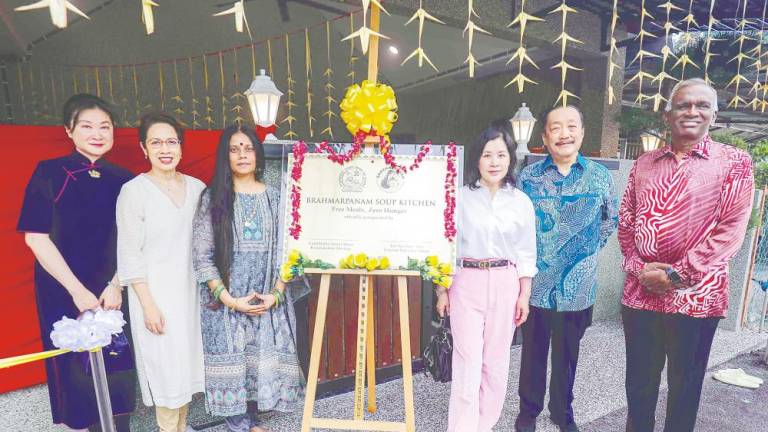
x,y
248,319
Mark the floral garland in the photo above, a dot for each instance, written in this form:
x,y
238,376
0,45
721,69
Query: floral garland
x,y
296,263
450,193
299,150
389,158
342,158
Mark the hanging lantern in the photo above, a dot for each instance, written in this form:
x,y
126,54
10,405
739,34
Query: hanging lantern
x,y
264,100
650,141
522,128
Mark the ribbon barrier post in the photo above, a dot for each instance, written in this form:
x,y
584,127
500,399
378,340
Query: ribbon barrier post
x,y
102,390
92,331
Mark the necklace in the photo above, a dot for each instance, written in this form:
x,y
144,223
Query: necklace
x,y
251,223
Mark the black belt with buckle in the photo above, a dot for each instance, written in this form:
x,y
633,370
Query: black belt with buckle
x,y
485,264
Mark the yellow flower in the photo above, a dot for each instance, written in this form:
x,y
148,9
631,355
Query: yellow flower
x,y
350,261
383,263
433,273
432,260
445,281
445,268
373,264
361,260
343,263
286,272
293,256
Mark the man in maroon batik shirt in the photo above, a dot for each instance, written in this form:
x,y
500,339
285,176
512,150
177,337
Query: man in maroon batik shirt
x,y
682,218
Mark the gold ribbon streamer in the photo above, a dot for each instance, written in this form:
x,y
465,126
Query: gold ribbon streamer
x,y
269,57
757,53
161,78
522,53
687,39
97,79
237,96
308,63
708,44
29,358
564,66
290,93
109,81
666,51
253,61
223,97
75,84
612,65
208,106
369,106
642,53
469,30
329,114
194,102
352,58
419,53
739,78
179,110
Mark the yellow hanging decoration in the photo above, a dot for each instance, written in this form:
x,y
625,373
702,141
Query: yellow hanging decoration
x,y
208,103
222,88
666,51
109,82
253,61
147,17
56,8
179,110
422,15
364,33
97,79
369,107
469,30
161,79
564,66
708,42
687,39
612,65
237,96
20,78
522,53
86,80
642,54
328,74
758,54
195,113
352,57
238,10
308,63
269,57
136,94
739,78
289,92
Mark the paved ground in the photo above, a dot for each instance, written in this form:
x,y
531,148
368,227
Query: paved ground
x,y
599,395
724,407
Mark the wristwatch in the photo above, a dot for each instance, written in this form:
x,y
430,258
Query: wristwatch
x,y
673,276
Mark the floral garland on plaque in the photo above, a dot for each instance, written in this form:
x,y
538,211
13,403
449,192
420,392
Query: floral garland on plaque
x,y
369,111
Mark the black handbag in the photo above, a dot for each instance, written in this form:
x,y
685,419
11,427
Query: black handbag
x,y
439,352
118,356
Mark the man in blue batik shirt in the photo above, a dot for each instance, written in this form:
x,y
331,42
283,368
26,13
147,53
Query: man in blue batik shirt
x,y
576,211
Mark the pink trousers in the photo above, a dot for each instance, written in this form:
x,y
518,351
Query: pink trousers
x,y
482,309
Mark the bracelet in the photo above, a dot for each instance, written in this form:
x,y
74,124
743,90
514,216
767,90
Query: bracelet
x,y
217,291
276,294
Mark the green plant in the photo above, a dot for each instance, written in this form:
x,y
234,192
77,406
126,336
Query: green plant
x,y
634,121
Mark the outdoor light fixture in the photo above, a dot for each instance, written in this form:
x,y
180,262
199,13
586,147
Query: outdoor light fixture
x,y
522,128
264,100
650,141
393,50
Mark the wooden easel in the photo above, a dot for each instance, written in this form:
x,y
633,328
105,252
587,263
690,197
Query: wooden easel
x,y
365,349
365,325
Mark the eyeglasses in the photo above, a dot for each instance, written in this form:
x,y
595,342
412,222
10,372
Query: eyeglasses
x,y
156,143
238,150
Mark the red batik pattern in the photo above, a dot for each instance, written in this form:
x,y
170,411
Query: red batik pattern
x,y
693,215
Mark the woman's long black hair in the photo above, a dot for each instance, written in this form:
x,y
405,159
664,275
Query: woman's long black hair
x,y
497,128
221,197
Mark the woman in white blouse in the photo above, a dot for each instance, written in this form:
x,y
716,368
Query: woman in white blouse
x,y
154,243
490,291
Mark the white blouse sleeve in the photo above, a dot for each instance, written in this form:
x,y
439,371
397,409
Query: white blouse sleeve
x,y
526,246
131,262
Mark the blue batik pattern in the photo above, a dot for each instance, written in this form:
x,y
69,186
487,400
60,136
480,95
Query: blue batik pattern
x,y
575,215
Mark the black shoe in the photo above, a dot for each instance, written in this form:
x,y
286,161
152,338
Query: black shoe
x,y
523,424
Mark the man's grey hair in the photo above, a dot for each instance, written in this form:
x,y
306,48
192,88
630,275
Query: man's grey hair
x,y
687,83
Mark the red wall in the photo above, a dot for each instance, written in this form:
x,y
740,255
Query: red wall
x,y
22,148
